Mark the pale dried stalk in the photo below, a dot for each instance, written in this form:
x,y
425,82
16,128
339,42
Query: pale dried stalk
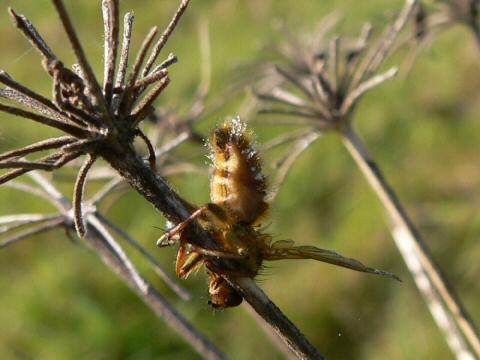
x,y
180,290
445,307
333,111
152,298
112,254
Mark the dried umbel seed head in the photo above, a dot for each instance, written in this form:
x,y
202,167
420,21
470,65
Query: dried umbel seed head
x,y
319,81
101,121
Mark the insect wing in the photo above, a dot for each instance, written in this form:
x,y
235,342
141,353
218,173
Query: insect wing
x,y
283,251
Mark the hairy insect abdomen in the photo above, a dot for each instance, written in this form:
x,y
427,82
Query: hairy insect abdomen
x,y
237,181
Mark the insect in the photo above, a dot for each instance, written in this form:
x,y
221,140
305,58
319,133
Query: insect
x,y
238,191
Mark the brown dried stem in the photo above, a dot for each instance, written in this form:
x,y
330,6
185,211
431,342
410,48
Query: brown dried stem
x,y
68,128
89,76
165,36
43,145
111,30
78,190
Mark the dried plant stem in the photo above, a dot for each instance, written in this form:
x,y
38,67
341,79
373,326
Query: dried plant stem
x,y
275,340
68,128
111,30
87,70
285,163
179,290
78,191
111,253
284,328
444,305
153,298
30,232
165,36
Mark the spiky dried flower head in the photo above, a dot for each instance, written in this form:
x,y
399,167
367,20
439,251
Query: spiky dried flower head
x,y
321,81
97,119
434,16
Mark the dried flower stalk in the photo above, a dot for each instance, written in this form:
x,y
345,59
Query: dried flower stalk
x,y
329,81
99,239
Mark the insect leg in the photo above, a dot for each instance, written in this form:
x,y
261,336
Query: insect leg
x,y
187,262
168,239
217,253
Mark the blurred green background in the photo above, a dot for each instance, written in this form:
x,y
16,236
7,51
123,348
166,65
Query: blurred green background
x,y
57,301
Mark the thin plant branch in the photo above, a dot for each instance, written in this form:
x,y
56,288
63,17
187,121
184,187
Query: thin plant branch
x,y
427,274
68,128
78,194
13,222
178,289
30,232
87,71
111,30
340,101
105,246
42,145
165,36
284,165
